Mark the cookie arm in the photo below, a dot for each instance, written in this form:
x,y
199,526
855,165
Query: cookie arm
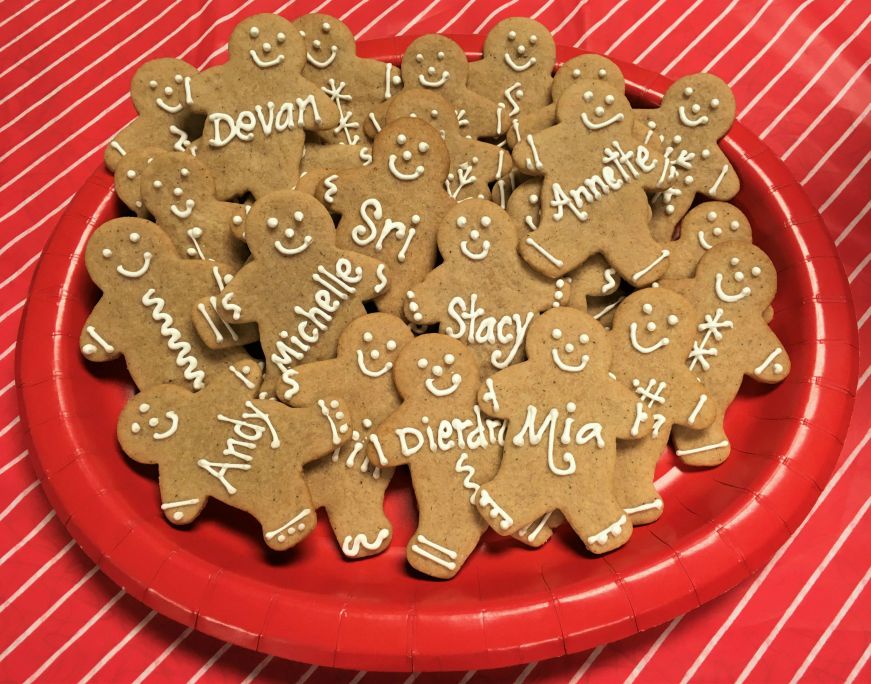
x,y
427,302
631,419
683,286
485,116
205,86
530,155
315,430
313,381
725,184
497,395
385,445
696,407
99,340
315,111
533,122
766,357
374,282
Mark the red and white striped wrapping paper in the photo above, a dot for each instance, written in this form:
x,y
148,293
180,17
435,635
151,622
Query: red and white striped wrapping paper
x,y
799,72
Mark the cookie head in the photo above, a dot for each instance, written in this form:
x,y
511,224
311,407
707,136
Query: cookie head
x,y
595,104
374,341
475,229
436,366
568,341
174,183
412,150
702,102
326,39
655,319
149,421
433,61
128,177
267,41
524,204
287,225
126,250
427,106
161,86
740,273
714,222
521,45
589,67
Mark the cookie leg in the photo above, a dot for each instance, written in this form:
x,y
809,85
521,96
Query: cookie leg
x,y
510,506
708,447
285,531
540,530
600,522
633,478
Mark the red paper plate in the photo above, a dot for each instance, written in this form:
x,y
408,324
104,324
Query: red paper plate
x,y
509,604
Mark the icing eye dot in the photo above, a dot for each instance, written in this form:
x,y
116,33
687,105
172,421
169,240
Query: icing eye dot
x,y
390,345
584,338
576,73
254,32
734,261
672,319
717,231
449,359
280,38
486,221
401,139
556,334
734,225
131,174
152,84
237,220
609,99
272,222
178,192
135,428
755,271
512,35
107,253
157,184
696,108
325,27
423,148
406,155
461,222
533,39
368,337
144,408
184,173
712,216
647,308
600,111
418,58
422,363
715,103
298,216
588,96
440,56
302,33
134,237
651,326
602,73
687,91
334,404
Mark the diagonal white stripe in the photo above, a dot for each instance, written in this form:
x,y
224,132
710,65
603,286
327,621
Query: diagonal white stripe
x,y
342,18
372,23
73,50
792,60
35,576
859,268
821,568
587,664
11,310
456,16
492,14
822,160
728,49
17,500
208,664
465,680
363,673
699,38
420,16
32,27
257,670
8,349
665,34
857,668
827,633
47,614
22,269
601,21
569,17
652,650
628,32
117,647
75,637
852,224
308,673
23,9
23,455
775,559
862,321
541,10
30,535
771,42
822,70
408,680
163,656
849,179
6,389
11,424
525,672
864,377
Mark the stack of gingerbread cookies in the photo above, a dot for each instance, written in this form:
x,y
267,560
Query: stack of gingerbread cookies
x,y
507,280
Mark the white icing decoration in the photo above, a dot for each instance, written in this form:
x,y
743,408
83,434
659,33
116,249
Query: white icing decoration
x,y
604,124
290,527
391,164
586,433
711,328
322,64
518,67
183,213
656,503
719,180
704,243
242,125
139,272
170,109
475,327
698,407
663,255
432,548
456,381
614,529
184,359
265,63
686,120
633,337
89,349
777,367
547,255
331,188
568,368
724,296
709,447
361,363
351,546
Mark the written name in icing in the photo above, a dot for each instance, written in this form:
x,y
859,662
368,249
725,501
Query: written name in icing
x,y
475,327
452,433
226,127
551,425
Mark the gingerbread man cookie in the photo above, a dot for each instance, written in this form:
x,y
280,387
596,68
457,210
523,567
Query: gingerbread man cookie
x,y
356,86
225,444
474,164
515,69
299,288
258,106
161,94
178,190
651,332
483,293
128,177
147,306
732,289
696,112
449,447
564,416
347,484
378,217
593,201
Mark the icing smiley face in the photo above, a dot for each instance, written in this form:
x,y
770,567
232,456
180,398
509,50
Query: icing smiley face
x,y
285,224
154,425
572,342
173,185
473,230
433,61
589,68
739,272
655,321
410,149
650,331
326,39
521,45
716,223
597,104
267,41
444,367
124,250
374,341
163,86
701,102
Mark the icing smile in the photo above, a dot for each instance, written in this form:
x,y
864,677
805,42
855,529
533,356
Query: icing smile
x,y
567,367
633,337
604,124
475,256
183,213
292,251
456,380
139,272
725,296
391,163
438,83
325,63
518,67
361,362
172,109
686,120
264,63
